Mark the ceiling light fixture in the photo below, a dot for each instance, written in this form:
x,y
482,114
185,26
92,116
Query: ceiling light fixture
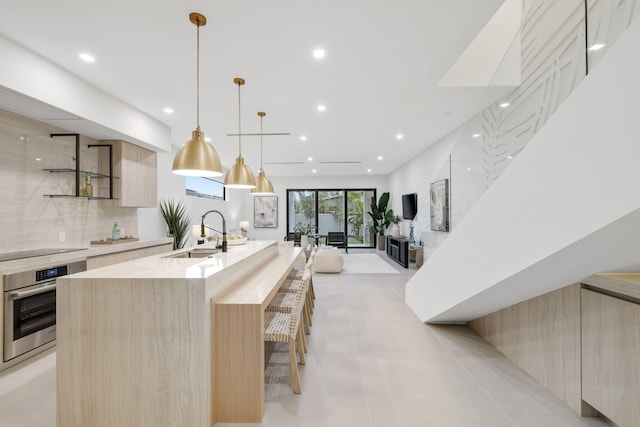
x,y
504,105
399,136
314,170
197,157
475,135
322,107
263,185
240,175
379,157
87,57
368,170
168,110
303,138
318,53
309,158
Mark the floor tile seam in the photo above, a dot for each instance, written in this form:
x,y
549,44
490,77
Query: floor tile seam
x,y
475,380
357,354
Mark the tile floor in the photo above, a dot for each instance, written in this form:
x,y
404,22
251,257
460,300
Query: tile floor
x,y
370,363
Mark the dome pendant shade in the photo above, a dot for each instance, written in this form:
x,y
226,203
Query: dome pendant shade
x,y
263,185
239,176
197,158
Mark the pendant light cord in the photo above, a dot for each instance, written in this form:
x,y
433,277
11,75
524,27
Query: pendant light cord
x,y
198,77
239,119
261,142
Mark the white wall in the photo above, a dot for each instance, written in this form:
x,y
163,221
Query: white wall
x,y
171,186
567,207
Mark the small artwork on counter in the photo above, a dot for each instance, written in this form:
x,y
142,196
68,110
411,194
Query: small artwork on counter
x,y
439,205
265,212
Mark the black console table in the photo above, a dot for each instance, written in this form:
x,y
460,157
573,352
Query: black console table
x,y
398,250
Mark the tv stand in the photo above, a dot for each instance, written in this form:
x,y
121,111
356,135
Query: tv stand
x,y
398,250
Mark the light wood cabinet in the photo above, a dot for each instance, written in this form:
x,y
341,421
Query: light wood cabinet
x,y
136,169
610,350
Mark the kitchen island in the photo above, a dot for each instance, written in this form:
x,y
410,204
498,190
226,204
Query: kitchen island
x,y
143,343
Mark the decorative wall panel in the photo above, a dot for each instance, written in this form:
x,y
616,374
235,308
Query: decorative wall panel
x,y
553,64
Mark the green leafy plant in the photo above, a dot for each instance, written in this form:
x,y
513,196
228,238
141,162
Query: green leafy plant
x,y
178,221
379,214
396,219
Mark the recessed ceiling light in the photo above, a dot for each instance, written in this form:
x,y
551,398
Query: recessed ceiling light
x,y
475,135
399,136
596,46
379,157
322,107
168,110
314,171
504,105
309,158
207,139
468,169
303,138
368,170
509,157
86,57
318,53
38,159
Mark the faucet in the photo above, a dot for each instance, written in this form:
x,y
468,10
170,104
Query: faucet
x,y
224,228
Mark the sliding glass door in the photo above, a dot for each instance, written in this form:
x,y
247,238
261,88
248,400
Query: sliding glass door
x,y
333,210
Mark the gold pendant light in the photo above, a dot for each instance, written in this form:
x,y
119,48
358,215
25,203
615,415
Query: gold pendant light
x,y
197,157
239,176
263,185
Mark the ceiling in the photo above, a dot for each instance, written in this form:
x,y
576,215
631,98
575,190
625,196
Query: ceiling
x,y
379,77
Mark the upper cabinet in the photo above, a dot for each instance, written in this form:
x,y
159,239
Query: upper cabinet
x,y
136,168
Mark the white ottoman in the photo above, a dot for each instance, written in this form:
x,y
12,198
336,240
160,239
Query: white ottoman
x,y
328,260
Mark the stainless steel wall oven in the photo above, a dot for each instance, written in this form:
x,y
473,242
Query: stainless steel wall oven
x,y
30,307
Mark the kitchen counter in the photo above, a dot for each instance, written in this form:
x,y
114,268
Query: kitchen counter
x,y
142,342
8,267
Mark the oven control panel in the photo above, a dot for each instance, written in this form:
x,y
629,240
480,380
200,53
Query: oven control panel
x,y
51,273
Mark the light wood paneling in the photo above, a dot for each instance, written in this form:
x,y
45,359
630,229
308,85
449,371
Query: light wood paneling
x,y
239,341
135,167
542,336
115,258
610,357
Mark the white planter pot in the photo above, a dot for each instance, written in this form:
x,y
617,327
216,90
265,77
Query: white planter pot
x,y
395,230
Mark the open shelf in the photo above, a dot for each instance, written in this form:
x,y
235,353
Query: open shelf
x,y
73,171
73,196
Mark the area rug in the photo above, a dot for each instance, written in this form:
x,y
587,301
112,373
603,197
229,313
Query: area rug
x,y
366,264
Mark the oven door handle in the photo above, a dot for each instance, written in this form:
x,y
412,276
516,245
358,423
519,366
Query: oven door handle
x,y
24,294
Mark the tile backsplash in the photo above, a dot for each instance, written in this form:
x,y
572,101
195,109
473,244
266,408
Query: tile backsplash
x,y
31,220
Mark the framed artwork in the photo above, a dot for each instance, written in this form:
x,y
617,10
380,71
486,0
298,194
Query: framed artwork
x,y
439,205
265,211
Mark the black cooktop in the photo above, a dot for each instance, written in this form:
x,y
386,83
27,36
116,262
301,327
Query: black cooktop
x,y
10,256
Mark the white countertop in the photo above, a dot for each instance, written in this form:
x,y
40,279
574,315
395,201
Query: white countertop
x,y
7,267
166,266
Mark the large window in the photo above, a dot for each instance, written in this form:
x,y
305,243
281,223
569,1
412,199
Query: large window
x,y
332,210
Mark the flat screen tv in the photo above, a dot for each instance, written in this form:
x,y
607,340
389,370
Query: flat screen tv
x,y
409,206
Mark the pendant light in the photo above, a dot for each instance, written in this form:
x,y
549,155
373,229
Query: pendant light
x,y
197,157
263,185
239,176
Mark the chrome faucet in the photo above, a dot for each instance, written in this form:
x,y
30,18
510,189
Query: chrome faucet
x,y
224,228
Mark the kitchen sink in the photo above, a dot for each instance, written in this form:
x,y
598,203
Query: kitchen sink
x,y
197,253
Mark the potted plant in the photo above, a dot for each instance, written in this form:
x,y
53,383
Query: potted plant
x,y
395,230
178,221
381,218
303,230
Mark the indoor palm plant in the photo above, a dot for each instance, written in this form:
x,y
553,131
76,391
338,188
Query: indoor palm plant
x,y
178,221
381,217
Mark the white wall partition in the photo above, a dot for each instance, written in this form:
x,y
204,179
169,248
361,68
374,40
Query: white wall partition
x,y
568,207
